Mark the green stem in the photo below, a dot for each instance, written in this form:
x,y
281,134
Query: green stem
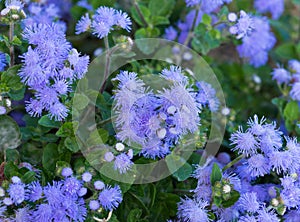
x,y
107,63
137,7
140,201
191,32
233,162
11,47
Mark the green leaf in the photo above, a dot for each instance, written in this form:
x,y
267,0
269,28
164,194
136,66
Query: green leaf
x,y
291,111
286,51
12,155
143,44
67,129
28,177
50,156
161,7
80,101
10,136
217,201
47,122
16,41
232,200
17,95
11,79
134,215
184,172
160,20
71,144
145,13
216,174
206,19
10,170
280,103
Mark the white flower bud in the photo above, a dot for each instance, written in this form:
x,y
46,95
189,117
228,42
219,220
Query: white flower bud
x,y
15,16
5,11
120,147
226,188
161,133
2,192
274,202
171,110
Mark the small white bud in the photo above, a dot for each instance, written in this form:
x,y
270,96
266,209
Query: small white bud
x,y
120,147
294,176
8,102
187,56
274,202
2,192
163,116
130,154
16,179
161,133
5,11
173,130
171,110
109,156
225,111
15,16
256,79
185,109
232,17
14,7
226,188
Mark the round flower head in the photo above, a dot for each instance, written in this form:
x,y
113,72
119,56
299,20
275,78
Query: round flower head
x,y
82,191
257,165
94,205
99,185
109,156
294,66
191,210
248,202
3,61
170,33
243,27
295,91
122,163
71,185
66,172
15,179
110,197
83,24
87,177
34,191
281,75
17,192
2,110
275,7
7,201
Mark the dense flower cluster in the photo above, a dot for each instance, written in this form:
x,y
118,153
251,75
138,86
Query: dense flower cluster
x,y
158,121
275,7
49,68
103,22
3,61
62,200
264,153
289,77
207,6
257,38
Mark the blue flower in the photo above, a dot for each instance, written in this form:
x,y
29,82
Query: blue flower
x,y
67,171
84,24
206,95
257,165
170,33
294,66
248,202
275,7
94,205
43,213
110,197
243,27
281,75
122,163
192,210
295,91
3,61
17,192
71,186
34,191
87,177
248,218
267,215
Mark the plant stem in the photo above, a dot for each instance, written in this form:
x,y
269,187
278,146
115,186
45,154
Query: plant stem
x,y
107,63
230,164
137,7
191,32
11,47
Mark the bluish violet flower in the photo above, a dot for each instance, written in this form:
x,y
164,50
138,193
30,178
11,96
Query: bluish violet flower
x,y
192,2
94,205
3,61
2,110
54,193
245,142
84,24
247,218
257,165
22,214
170,33
110,197
281,75
191,210
292,216
248,202
267,215
71,186
294,66
122,20
17,192
122,163
295,91
99,185
34,191
85,4
87,177
244,25
66,172
43,213
255,46
206,95
275,7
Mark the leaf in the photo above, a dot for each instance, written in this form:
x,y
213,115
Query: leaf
x,y
145,13
291,111
16,41
206,19
232,200
10,170
12,155
217,201
184,172
142,43
161,7
10,136
47,122
67,129
134,215
160,20
50,156
11,79
28,177
216,174
80,101
71,144
286,51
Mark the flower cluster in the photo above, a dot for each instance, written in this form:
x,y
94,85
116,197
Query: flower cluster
x,y
49,68
156,121
290,77
62,200
3,61
257,38
103,22
275,7
207,6
263,153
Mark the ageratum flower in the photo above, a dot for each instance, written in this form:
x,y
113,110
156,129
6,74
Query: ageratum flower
x,y
110,197
206,96
3,61
255,46
103,22
34,191
275,7
207,6
244,25
17,192
281,75
122,163
248,202
192,210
